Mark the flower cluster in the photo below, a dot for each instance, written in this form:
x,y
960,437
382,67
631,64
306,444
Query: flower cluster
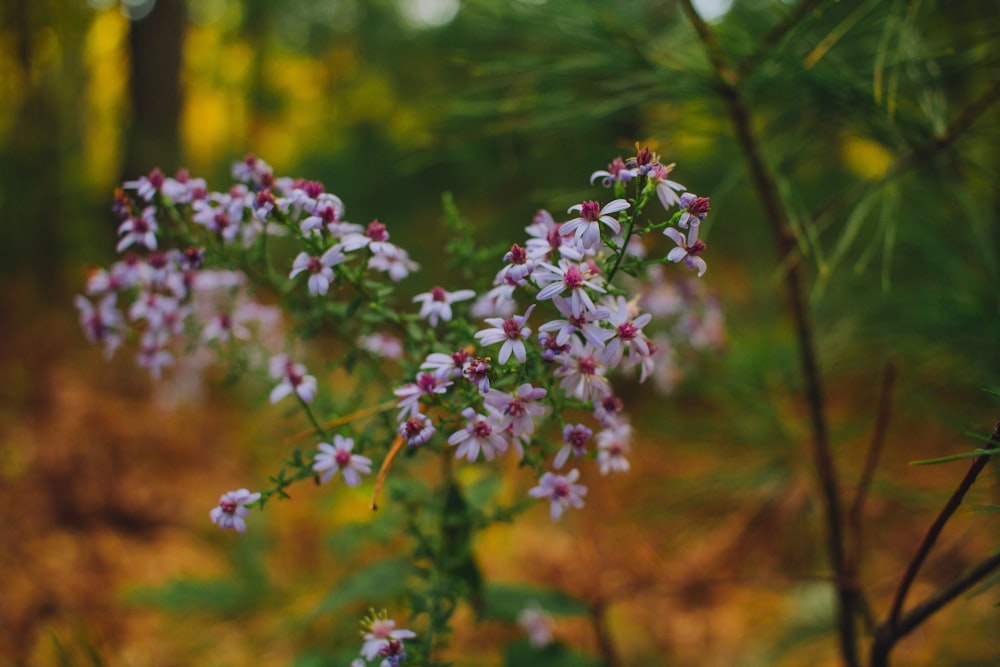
x,y
572,304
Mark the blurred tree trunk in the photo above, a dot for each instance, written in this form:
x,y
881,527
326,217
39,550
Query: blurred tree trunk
x,y
156,43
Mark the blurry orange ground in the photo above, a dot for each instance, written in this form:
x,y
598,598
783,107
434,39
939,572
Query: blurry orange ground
x,y
105,487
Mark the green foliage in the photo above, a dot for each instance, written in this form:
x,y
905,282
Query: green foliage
x,y
522,654
505,602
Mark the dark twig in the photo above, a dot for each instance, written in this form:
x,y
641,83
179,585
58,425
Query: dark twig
x,y
605,645
776,34
767,190
935,530
856,512
887,635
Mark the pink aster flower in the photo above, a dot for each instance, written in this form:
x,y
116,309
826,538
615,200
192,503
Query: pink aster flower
x,y
519,265
417,430
612,446
214,214
319,268
576,437
588,323
436,304
546,240
293,380
578,278
375,238
666,189
147,186
582,373
427,384
608,410
446,366
627,334
617,173
382,344
382,639
338,457
325,211
232,509
477,369
688,250
694,209
394,261
139,230
498,302
225,326
517,410
480,433
101,324
561,490
511,331
537,624
587,227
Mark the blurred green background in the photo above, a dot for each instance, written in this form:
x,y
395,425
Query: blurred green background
x,y
878,120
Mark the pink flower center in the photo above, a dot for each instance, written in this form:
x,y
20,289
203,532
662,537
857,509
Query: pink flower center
x,y
616,167
315,264
382,629
699,206
696,248
221,220
517,255
512,328
616,449
228,506
573,278
612,405
293,376
627,331
481,429
588,365
460,357
554,237
578,438
313,189
343,458
516,407
427,383
139,226
560,490
158,260
438,294
413,427
376,231
156,178
328,214
590,210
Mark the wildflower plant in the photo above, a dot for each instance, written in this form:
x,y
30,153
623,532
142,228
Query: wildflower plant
x,y
523,361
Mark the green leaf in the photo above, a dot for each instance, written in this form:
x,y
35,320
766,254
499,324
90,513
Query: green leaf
x,y
505,601
974,454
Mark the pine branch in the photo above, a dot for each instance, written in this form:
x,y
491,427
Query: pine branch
x,y
766,186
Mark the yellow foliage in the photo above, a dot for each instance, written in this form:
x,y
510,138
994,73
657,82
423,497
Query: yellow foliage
x,y
866,158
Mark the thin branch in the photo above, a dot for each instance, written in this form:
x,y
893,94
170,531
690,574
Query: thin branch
x,y
767,190
776,34
856,512
886,635
935,530
605,645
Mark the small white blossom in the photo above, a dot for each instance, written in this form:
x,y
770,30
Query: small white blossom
x,y
562,491
338,457
232,509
